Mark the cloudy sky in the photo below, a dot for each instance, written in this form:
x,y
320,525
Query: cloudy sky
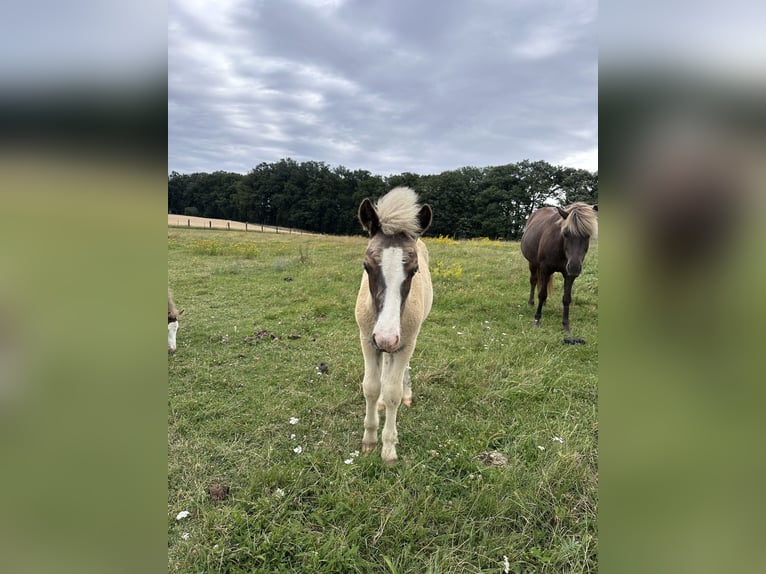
x,y
388,86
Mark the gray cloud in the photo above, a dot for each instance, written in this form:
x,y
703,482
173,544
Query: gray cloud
x,y
379,85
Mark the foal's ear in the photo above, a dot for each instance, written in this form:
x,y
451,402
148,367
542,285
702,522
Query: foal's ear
x,y
595,207
425,216
368,217
181,312
563,212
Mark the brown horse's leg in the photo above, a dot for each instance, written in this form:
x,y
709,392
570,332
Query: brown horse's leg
x,y
567,299
532,285
542,295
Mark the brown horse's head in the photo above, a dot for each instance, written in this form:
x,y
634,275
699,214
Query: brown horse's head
x,y
391,261
578,225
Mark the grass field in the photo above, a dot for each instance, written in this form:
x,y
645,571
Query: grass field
x,y
249,408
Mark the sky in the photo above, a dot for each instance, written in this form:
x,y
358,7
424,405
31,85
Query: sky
x,y
387,86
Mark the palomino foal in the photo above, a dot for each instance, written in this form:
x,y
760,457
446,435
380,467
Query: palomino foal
x,y
394,299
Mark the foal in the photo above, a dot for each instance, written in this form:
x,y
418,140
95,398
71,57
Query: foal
x,y
394,299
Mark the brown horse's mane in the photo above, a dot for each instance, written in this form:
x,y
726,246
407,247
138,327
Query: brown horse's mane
x,y
398,212
582,220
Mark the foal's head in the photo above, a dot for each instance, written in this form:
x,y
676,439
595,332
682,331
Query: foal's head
x,y
578,225
391,261
173,315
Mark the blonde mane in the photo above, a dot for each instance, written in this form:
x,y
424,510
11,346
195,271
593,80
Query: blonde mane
x,y
582,220
398,212
173,312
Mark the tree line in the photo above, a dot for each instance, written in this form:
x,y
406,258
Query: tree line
x,y
468,202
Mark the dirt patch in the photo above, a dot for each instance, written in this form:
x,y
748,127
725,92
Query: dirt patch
x,y
493,458
218,492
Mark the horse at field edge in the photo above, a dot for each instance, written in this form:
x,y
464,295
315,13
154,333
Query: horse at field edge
x,y
395,297
556,239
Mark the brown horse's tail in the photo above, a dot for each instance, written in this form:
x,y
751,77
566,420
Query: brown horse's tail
x,y
540,283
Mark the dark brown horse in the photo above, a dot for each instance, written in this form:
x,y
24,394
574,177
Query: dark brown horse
x,y
556,239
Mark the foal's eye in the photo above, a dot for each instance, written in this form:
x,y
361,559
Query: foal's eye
x,y
414,271
366,267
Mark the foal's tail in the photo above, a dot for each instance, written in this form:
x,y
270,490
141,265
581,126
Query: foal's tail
x,y
540,283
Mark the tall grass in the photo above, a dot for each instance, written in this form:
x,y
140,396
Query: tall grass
x,y
257,325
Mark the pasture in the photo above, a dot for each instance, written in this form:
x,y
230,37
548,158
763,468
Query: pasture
x,y
497,455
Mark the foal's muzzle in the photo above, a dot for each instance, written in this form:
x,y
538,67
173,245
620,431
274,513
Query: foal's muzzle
x,y
388,346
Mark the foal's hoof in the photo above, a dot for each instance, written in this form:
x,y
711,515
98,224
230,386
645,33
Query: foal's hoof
x,y
368,447
573,341
390,462
407,402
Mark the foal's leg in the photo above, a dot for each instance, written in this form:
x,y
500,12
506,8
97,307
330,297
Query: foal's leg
x,y
568,281
371,386
407,393
542,295
392,377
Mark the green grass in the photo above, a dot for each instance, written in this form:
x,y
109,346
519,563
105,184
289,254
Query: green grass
x,y
258,321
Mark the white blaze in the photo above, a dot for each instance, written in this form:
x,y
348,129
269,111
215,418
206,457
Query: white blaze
x,y
172,330
388,324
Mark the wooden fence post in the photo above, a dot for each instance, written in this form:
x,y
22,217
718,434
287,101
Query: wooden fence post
x,y
188,223
210,224
228,226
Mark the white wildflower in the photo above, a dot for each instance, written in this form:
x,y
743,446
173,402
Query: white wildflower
x,y
541,447
506,565
279,492
298,449
292,436
355,454
183,514
348,461
558,439
293,420
185,536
